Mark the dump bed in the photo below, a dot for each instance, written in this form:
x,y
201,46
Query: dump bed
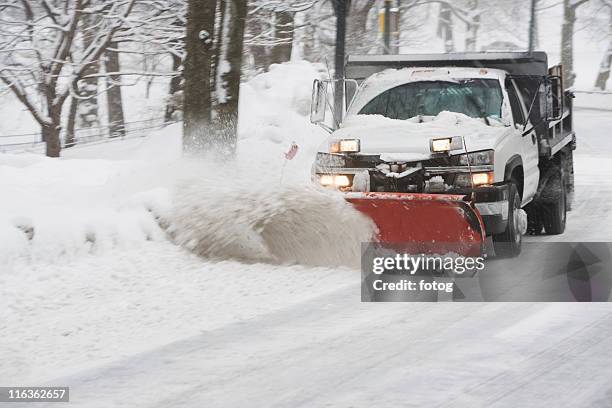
x,y
359,67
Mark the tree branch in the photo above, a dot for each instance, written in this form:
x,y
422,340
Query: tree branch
x,y
23,98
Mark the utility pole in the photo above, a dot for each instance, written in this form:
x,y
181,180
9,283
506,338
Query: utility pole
x,y
387,27
340,8
532,26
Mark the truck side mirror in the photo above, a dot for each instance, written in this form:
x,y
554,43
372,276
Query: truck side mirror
x,y
317,104
552,98
545,95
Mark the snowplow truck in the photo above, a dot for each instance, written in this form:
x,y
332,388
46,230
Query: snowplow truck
x,y
443,151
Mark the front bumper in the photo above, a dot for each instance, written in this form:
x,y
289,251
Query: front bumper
x,y
492,204
490,201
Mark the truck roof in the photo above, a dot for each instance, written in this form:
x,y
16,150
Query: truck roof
x,y
359,67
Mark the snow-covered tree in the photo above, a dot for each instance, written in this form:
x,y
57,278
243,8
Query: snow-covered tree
x,y
445,27
567,39
87,88
212,72
228,71
155,41
39,61
114,99
271,28
197,103
51,51
359,39
606,62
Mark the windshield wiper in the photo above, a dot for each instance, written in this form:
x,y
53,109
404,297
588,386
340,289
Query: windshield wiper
x,y
480,108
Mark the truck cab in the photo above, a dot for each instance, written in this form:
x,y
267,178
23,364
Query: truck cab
x,y
483,126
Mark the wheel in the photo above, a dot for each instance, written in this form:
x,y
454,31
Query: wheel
x,y
508,243
554,209
568,172
534,219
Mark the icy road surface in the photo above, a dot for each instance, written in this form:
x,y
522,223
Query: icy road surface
x,y
159,327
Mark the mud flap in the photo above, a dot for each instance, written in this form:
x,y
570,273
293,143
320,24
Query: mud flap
x,y
424,223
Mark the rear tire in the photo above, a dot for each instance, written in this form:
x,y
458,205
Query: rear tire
x,y
568,173
534,219
508,244
554,210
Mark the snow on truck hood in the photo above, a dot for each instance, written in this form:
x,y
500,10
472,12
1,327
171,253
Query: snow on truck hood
x,y
409,140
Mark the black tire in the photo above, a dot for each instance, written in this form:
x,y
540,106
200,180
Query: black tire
x,y
554,208
508,244
568,173
535,225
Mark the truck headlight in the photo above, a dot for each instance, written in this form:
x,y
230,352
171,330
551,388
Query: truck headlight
x,y
446,144
477,179
344,146
477,158
334,180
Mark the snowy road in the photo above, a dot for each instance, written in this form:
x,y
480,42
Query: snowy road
x,y
334,351
228,334
591,219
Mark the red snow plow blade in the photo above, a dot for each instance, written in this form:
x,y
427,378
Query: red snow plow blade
x,y
424,223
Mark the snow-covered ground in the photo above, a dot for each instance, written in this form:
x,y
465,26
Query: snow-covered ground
x,y
101,299
591,218
91,270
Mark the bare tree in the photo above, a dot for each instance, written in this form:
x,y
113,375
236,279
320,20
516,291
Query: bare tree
x,y
70,137
445,27
472,22
256,33
604,69
154,32
229,74
271,27
358,38
116,117
175,88
567,39
87,87
466,12
197,103
220,44
283,34
40,62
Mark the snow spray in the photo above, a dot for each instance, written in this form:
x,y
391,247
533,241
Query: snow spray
x,y
253,221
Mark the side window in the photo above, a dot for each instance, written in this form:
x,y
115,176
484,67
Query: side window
x,y
515,104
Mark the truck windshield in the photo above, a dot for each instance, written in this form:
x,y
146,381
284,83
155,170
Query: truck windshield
x,y
478,98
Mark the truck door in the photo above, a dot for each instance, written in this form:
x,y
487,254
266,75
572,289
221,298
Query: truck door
x,y
528,144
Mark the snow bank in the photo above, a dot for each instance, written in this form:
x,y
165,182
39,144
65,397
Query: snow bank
x,y
274,112
278,98
161,146
258,207
593,99
52,209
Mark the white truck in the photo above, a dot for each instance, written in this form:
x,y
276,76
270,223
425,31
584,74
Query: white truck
x,y
429,132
